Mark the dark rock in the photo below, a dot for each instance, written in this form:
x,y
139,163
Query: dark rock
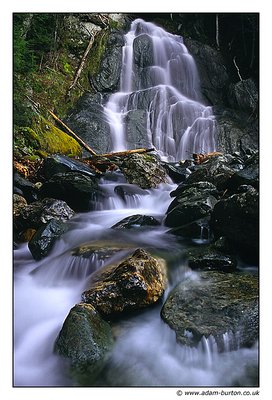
x,y
39,213
208,258
45,237
85,340
215,170
143,51
143,170
244,96
124,191
137,282
136,221
249,175
25,188
212,71
215,304
190,206
177,173
78,190
58,163
87,119
199,230
107,79
237,218
187,189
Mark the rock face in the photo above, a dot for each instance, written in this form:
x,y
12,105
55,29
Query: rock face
x,y
137,282
78,190
88,121
108,76
213,305
43,240
85,339
143,170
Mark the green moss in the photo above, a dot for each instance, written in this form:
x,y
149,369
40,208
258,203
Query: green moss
x,y
45,137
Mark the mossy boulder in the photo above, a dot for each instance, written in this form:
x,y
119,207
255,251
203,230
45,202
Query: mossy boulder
x,y
85,340
46,137
137,282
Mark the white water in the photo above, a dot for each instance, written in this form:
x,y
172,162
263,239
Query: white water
x,y
167,87
146,352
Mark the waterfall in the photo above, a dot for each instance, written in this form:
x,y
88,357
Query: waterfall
x,y
159,86
160,82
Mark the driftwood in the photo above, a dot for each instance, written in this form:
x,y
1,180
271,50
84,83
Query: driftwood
x,y
124,153
199,158
81,65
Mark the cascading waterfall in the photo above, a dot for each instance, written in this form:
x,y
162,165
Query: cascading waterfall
x,y
160,77
166,87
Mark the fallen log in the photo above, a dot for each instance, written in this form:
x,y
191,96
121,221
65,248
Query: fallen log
x,y
77,138
124,153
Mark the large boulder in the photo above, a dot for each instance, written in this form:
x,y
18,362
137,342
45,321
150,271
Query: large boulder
x,y
143,170
193,202
85,340
137,282
216,303
43,240
78,190
57,163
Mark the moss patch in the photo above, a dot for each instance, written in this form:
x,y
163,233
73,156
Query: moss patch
x,y
48,138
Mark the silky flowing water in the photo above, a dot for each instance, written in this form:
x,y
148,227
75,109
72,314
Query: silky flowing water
x,y
146,352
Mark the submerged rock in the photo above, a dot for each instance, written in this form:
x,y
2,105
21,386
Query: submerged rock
x,y
137,282
143,170
208,258
85,340
214,304
45,237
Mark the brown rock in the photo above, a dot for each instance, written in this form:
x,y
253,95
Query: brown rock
x,y
137,282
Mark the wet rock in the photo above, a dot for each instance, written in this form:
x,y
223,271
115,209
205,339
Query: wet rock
x,y
38,213
237,218
213,304
143,51
88,121
78,190
125,191
25,188
108,76
190,205
143,170
45,237
249,175
208,258
85,340
136,221
185,189
244,96
199,230
58,163
136,134
177,173
137,282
